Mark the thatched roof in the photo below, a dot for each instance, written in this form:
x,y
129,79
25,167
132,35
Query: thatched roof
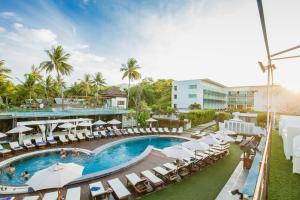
x,y
113,92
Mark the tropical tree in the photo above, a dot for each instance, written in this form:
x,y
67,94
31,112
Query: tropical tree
x,y
51,87
86,84
58,62
130,70
98,83
3,80
3,71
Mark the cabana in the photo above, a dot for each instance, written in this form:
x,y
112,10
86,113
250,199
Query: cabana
x,y
150,121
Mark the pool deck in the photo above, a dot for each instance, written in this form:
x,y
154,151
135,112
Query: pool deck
x,y
155,158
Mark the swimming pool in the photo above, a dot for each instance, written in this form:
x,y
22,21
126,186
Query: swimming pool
x,y
112,156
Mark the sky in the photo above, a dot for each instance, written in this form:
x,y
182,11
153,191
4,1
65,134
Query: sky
x,y
176,39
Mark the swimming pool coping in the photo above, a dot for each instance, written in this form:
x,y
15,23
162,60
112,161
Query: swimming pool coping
x,y
92,176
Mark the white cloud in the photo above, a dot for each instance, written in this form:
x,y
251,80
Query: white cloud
x,y
18,25
10,15
2,29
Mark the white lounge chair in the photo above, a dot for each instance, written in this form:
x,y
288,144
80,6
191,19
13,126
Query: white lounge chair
x,y
239,139
115,128
50,196
170,166
63,139
73,193
51,141
15,146
124,132
40,142
96,135
174,130
180,130
136,131
148,130
142,130
167,130
80,136
88,135
32,197
4,151
168,175
154,180
139,184
72,138
130,131
97,190
103,133
28,144
119,189
161,130
154,130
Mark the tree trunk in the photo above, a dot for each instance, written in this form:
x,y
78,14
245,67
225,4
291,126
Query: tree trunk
x,y
128,93
61,91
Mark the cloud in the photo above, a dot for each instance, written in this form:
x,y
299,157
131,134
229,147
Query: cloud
x,y
10,15
2,29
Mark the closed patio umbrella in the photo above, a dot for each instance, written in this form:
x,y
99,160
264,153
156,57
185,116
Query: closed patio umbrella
x,y
19,129
114,122
55,176
177,152
195,145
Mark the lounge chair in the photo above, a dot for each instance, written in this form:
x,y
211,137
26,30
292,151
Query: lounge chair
x,y
154,180
180,130
7,198
88,135
161,130
239,139
182,170
139,184
117,132
96,135
142,131
115,128
136,131
130,131
80,136
163,173
119,189
154,130
103,133
40,143
97,190
148,130
15,146
174,130
72,138
73,193
28,145
63,139
51,141
50,195
36,197
4,151
124,132
167,130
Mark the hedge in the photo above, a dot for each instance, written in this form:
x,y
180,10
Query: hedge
x,y
198,117
221,116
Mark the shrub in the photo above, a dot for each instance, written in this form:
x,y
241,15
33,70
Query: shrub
x,y
195,106
198,117
142,117
222,116
261,119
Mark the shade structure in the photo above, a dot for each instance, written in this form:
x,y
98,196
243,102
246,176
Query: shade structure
x,y
67,125
2,135
19,129
55,176
85,124
177,152
226,132
195,145
223,137
99,123
209,139
150,120
114,122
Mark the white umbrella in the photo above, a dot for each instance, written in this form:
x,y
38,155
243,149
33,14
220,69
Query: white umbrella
x,y
224,137
67,125
114,122
55,176
99,122
151,120
195,145
210,140
20,130
2,135
177,152
85,124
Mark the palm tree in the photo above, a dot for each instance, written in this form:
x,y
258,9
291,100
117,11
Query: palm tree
x,y
58,62
86,83
98,82
130,70
31,79
49,87
3,71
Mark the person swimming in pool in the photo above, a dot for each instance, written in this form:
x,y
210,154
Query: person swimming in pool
x,y
75,152
63,154
25,175
11,169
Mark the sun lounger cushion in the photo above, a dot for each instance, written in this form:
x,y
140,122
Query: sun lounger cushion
x,y
133,178
161,171
97,189
31,198
73,193
117,186
50,196
151,177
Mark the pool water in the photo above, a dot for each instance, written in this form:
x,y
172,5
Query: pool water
x,y
108,158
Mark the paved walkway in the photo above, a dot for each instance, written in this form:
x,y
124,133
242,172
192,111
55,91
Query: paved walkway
x,y
236,181
199,128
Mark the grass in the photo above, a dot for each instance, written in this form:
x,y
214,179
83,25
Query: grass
x,y
205,184
283,184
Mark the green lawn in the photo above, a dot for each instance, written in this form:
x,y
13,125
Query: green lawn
x,y
205,184
283,184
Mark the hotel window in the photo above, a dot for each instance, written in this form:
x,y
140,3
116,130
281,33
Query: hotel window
x,y
120,103
175,106
192,96
175,96
192,86
175,88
